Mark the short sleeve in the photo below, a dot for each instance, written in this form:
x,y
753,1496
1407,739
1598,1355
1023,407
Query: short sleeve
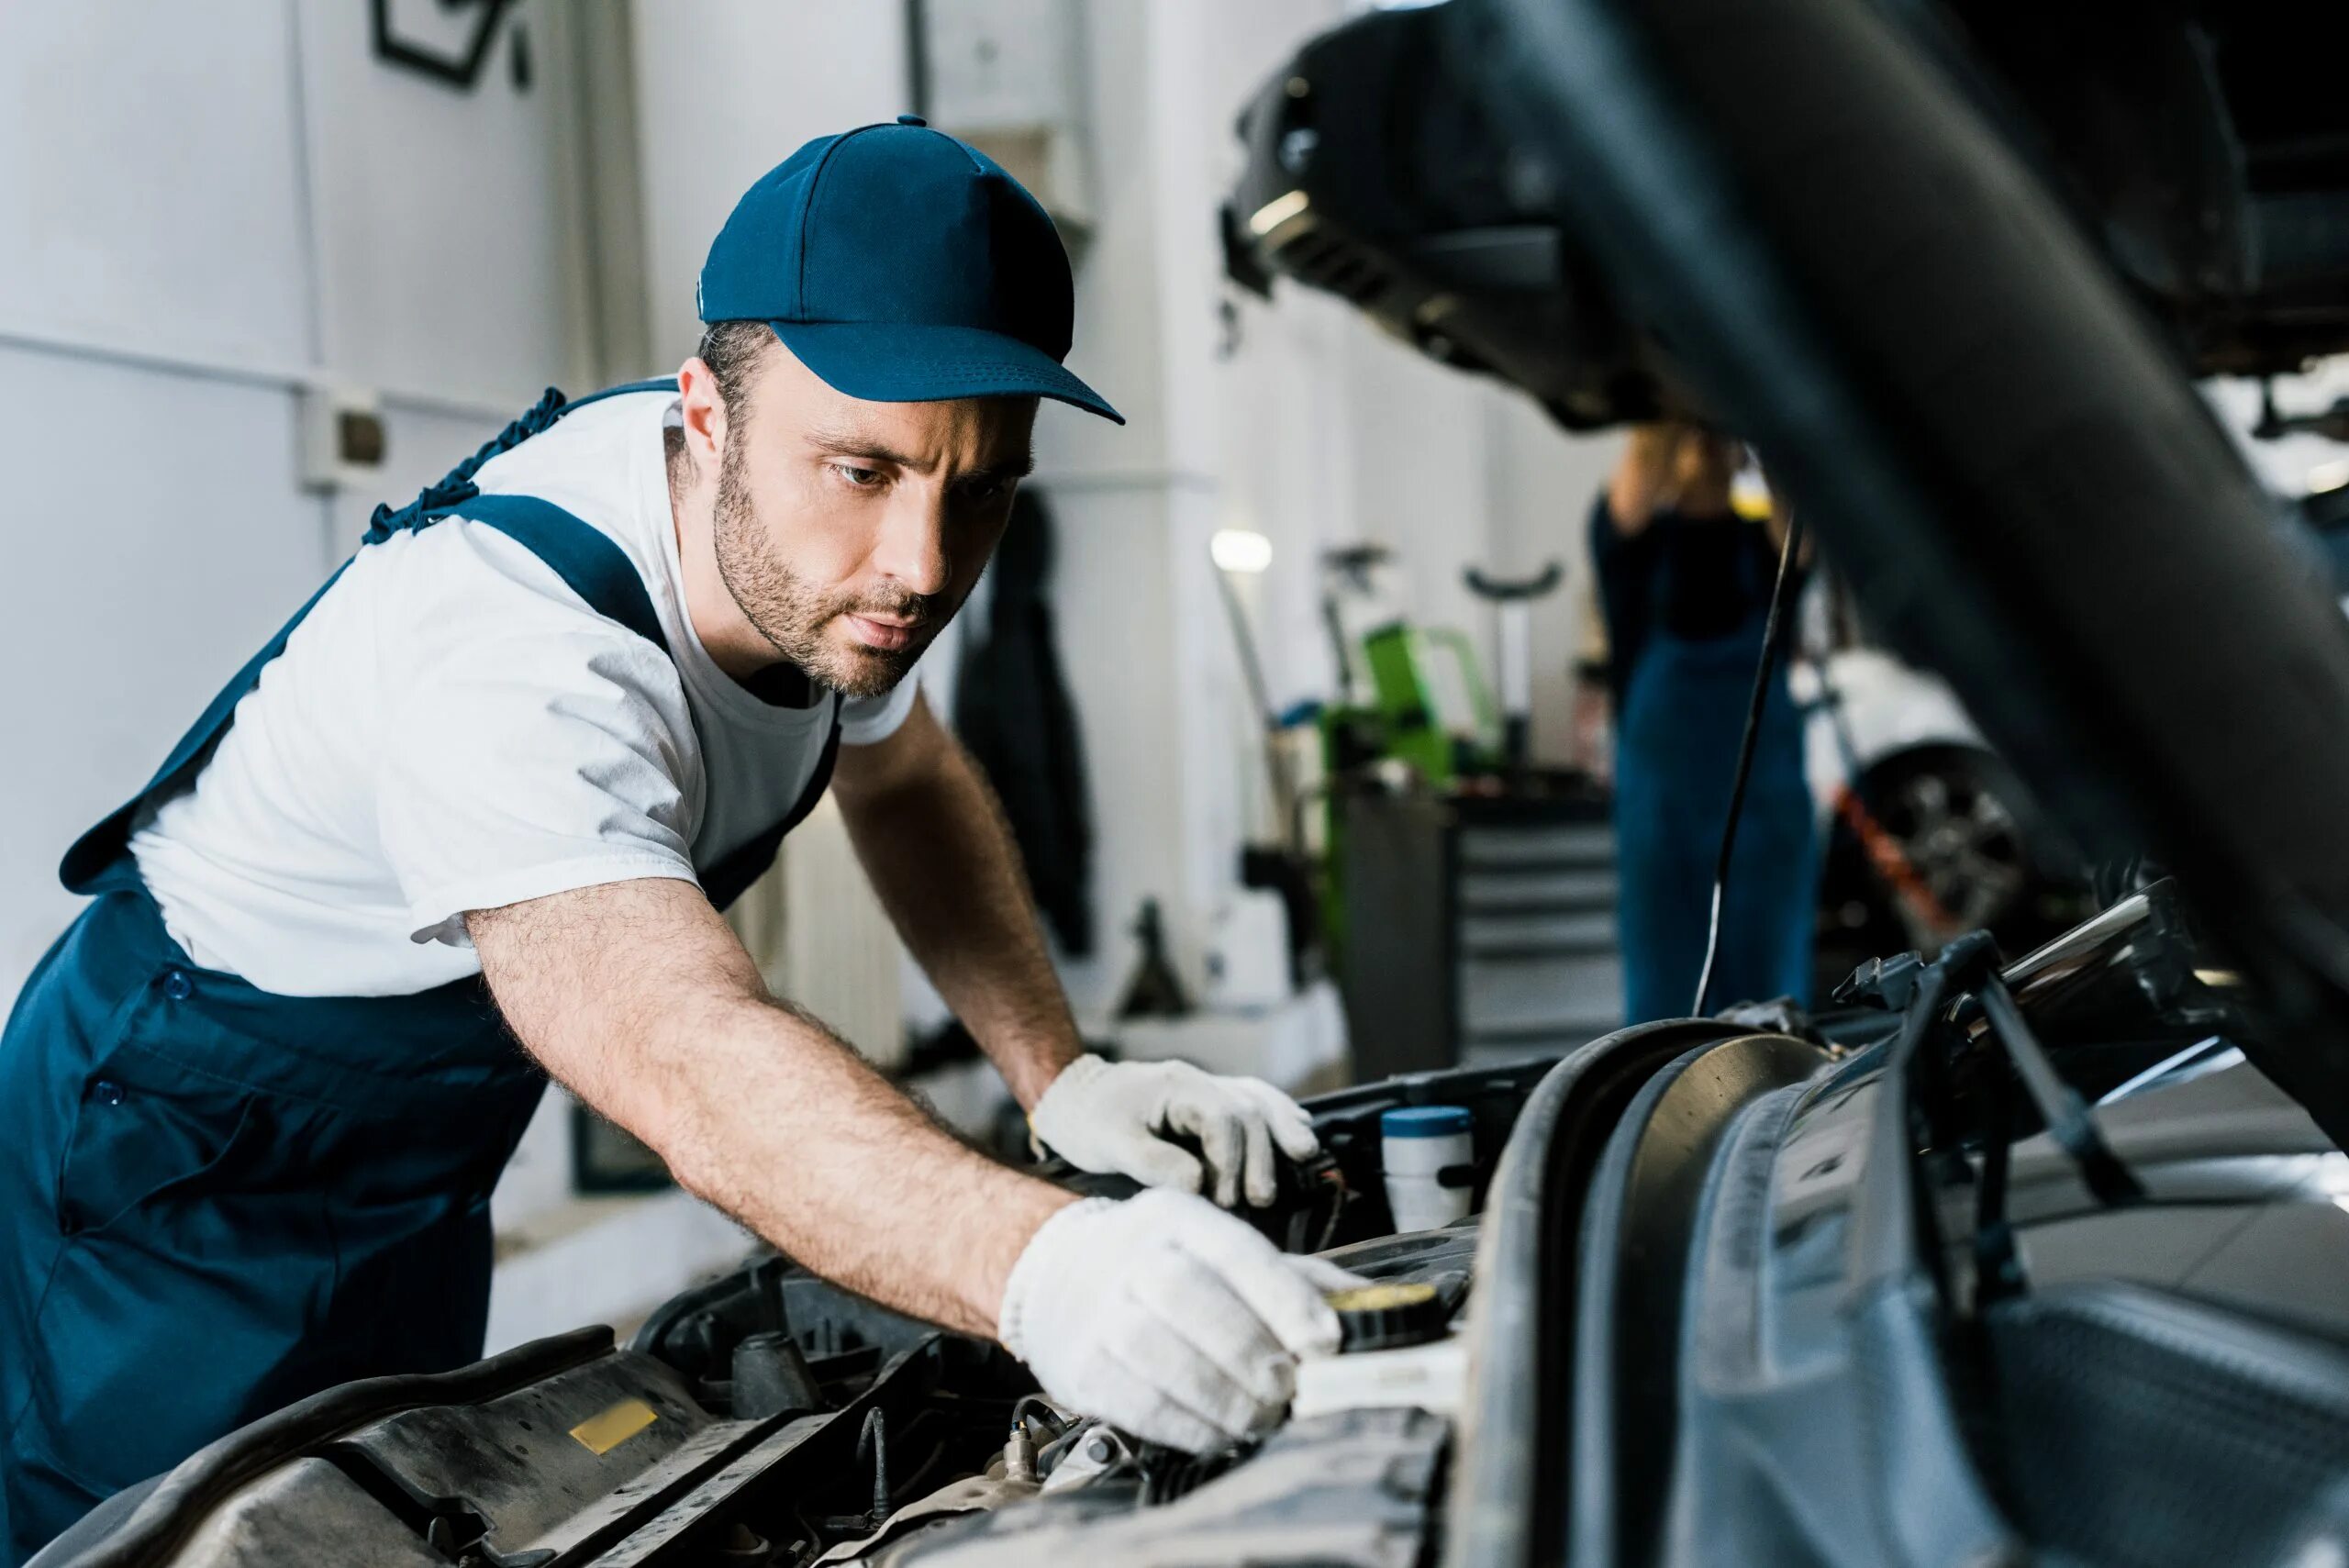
x,y
868,721
537,746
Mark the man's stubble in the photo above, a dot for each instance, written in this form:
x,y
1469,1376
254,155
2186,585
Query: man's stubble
x,y
792,615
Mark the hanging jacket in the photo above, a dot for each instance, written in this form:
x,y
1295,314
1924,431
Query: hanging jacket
x,y
1013,714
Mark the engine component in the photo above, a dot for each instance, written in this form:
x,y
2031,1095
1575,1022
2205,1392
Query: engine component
x,y
972,1494
771,1377
1388,1317
1350,1488
1019,1454
1087,1454
1428,1156
1426,1376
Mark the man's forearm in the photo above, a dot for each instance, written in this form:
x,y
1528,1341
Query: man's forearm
x,y
782,1126
941,859
639,998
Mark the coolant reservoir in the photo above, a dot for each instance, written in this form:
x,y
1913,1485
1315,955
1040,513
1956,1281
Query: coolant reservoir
x,y
1427,1155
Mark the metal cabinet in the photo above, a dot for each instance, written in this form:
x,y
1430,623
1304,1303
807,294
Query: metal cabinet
x,y
1477,929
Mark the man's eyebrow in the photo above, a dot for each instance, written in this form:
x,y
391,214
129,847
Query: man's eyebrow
x,y
852,444
1018,467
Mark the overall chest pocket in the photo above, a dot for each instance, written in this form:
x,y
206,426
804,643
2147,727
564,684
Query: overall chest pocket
x,y
139,1144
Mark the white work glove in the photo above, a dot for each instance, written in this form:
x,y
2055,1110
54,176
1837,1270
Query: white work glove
x,y
1166,1317
1116,1115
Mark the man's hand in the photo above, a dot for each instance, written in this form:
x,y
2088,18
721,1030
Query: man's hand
x,y
1166,1317
1116,1116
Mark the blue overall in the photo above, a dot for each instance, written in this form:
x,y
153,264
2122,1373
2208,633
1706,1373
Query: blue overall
x,y
1680,714
215,1200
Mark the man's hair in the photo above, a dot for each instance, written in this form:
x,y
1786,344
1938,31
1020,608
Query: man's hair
x,y
731,351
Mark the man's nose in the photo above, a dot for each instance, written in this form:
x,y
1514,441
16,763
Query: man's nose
x,y
912,551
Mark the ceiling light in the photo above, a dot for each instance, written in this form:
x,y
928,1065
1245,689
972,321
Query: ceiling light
x,y
1240,550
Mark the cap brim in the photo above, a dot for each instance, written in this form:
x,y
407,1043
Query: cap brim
x,y
895,361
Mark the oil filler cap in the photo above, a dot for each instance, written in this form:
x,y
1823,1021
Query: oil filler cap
x,y
1387,1316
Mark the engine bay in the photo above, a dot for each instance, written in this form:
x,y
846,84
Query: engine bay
x,y
770,1419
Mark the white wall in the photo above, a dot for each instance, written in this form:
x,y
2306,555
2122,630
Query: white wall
x,y
728,89
144,203
449,224
1542,481
1168,734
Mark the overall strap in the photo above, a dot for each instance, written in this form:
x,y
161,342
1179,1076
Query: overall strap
x,y
448,496
726,881
581,554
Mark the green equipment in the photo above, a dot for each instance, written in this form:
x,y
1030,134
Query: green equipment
x,y
1408,695
1433,705
1415,694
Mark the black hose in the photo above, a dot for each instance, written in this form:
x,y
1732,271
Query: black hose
x,y
1048,1457
1789,550
1030,1405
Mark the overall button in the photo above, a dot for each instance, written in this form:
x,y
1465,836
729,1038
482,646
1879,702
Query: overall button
x,y
177,985
107,1092
912,119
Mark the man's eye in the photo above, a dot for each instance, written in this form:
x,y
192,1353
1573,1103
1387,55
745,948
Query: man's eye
x,y
857,478
979,491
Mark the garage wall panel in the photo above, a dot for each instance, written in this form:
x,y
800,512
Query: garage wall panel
x,y
448,219
149,182
1423,447
1543,480
726,89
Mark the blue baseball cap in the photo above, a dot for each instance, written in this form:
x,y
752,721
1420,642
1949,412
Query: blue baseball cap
x,y
902,266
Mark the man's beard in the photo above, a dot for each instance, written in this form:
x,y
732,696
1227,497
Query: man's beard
x,y
791,615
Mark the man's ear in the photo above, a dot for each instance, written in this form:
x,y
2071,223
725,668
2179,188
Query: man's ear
x,y
704,412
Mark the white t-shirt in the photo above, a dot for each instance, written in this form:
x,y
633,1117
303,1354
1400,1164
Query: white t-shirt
x,y
452,728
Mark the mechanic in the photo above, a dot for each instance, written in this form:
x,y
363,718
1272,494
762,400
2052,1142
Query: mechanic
x,y
500,774
1684,586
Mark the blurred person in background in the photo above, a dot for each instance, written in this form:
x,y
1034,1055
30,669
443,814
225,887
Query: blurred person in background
x,y
1684,581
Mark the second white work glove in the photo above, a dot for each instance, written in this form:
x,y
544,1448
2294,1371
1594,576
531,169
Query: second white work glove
x,y
1116,1116
1166,1317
